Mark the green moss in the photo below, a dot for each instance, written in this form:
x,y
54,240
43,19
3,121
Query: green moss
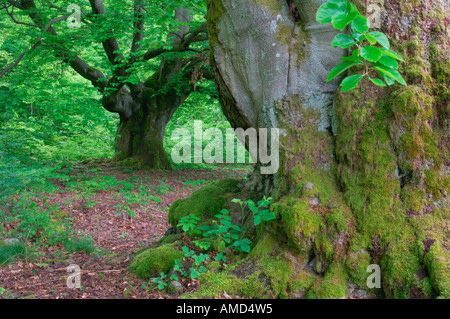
x,y
274,6
400,266
357,263
299,223
265,247
215,284
152,262
257,278
215,12
204,203
438,263
332,286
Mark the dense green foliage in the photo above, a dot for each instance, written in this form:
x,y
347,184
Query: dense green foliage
x,y
53,118
341,13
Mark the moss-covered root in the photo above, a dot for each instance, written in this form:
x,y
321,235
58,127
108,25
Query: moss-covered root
x,y
152,262
259,277
204,203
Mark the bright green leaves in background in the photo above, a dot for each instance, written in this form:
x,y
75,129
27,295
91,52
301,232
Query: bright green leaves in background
x,y
372,51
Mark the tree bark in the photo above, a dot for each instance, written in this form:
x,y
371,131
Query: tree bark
x,y
140,135
364,175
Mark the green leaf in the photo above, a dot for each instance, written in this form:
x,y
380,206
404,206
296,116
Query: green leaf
x,y
342,20
326,12
339,69
391,73
371,54
388,61
389,81
269,217
245,248
257,220
377,82
372,40
381,38
227,223
343,40
351,82
352,59
360,24
392,54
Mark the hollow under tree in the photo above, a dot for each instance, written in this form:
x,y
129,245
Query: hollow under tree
x,y
145,106
364,174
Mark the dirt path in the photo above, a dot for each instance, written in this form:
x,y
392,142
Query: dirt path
x,y
117,232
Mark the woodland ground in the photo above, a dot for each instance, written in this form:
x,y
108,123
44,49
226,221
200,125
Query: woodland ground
x,y
119,217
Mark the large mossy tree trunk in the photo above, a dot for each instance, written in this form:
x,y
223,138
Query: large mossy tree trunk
x,y
364,175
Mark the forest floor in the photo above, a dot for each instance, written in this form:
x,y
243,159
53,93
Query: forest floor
x,y
119,222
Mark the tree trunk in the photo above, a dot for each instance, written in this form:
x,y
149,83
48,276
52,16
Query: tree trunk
x,y
140,135
364,175
146,108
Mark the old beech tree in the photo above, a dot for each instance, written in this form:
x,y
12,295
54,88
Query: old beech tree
x,y
145,106
364,174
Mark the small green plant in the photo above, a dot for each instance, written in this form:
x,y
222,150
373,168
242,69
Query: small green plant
x,y
203,245
242,245
81,244
10,253
188,223
195,183
223,232
160,281
375,61
220,257
162,188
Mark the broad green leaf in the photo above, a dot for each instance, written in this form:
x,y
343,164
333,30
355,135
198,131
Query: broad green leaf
x,y
392,54
352,59
381,38
360,24
377,82
245,248
342,20
389,81
227,223
351,82
371,54
372,40
343,40
327,11
339,69
389,62
341,3
391,73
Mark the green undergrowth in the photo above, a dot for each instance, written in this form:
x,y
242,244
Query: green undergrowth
x,y
205,203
